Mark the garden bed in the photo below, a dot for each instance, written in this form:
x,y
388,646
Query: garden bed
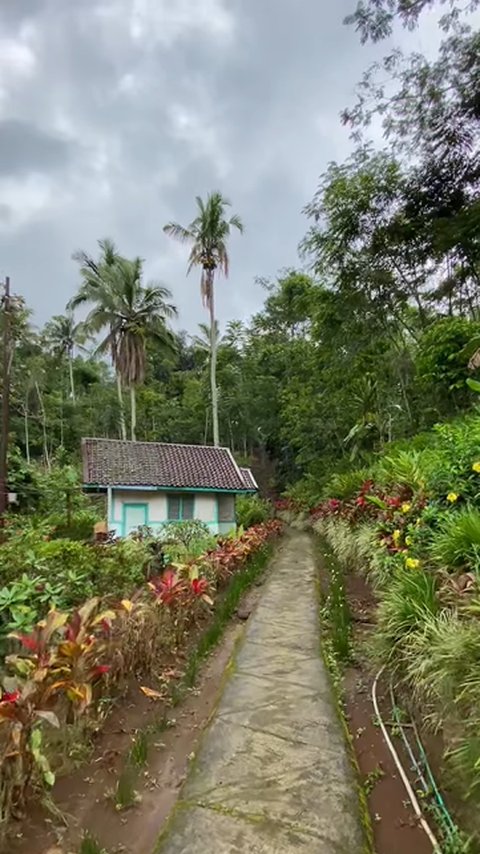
x,y
395,828
122,796
67,676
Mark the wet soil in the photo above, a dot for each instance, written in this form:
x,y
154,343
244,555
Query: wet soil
x,y
394,824
83,800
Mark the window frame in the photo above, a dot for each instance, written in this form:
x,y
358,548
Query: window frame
x,y
181,497
232,497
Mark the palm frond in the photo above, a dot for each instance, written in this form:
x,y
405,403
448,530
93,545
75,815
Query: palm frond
x,y
179,232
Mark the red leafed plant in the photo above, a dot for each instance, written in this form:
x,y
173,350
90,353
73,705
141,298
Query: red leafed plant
x,y
61,657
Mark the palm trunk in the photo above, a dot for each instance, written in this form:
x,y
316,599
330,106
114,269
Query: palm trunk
x,y
123,429
44,427
72,382
133,413
213,364
27,433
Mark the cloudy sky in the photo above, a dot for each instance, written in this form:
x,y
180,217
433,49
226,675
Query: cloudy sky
x,y
115,114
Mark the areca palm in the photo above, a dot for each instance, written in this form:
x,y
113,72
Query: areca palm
x,y
208,236
131,313
63,335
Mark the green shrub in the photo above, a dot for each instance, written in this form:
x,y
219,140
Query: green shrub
x,y
306,492
444,665
252,510
450,460
457,543
345,484
408,602
185,533
79,527
38,574
407,468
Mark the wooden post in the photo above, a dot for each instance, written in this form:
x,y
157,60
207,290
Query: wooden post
x,y
5,401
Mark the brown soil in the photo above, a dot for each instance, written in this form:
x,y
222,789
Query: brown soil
x,y
395,828
83,799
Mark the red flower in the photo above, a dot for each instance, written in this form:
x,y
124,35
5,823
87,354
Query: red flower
x,y
10,697
100,670
28,642
394,502
199,586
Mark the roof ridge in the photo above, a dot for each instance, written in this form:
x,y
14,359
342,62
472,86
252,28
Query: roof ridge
x,y
167,444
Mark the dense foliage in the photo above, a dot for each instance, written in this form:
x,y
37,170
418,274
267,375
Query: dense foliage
x,y
64,667
413,527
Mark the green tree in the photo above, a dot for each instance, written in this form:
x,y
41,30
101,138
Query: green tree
x,y
132,313
63,335
208,236
95,281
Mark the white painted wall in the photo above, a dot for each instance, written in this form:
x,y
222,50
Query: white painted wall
x,y
157,503
206,506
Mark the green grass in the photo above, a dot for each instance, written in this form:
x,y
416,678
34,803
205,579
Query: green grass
x,y
89,845
125,795
139,750
335,611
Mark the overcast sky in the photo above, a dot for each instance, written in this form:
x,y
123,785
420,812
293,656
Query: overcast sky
x,y
115,114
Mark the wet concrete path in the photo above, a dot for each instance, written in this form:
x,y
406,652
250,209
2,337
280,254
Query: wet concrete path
x,y
272,775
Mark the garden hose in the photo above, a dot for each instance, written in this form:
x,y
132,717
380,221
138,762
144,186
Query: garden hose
x,y
406,742
431,785
406,782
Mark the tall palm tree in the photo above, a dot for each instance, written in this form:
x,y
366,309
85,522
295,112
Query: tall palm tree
x,y
63,335
208,235
95,276
132,314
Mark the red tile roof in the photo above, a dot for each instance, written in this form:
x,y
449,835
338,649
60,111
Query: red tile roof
x,y
112,462
249,479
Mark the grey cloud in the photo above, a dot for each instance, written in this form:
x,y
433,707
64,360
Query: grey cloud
x,y
25,148
239,95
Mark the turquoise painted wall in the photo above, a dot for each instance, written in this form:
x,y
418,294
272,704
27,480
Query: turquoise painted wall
x,y
156,510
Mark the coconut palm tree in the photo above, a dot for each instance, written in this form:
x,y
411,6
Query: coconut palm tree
x,y
63,335
95,277
208,235
132,314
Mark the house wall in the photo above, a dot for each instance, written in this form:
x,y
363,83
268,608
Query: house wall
x,y
205,509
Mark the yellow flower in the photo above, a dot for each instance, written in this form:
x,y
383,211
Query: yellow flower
x,y
412,563
406,507
408,541
476,466
452,497
396,536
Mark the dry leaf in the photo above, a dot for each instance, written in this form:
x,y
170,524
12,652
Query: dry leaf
x,y
149,692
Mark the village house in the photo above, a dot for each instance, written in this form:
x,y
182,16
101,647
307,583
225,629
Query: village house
x,y
152,483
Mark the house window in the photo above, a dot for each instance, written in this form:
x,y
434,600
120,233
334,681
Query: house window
x,y
180,507
226,508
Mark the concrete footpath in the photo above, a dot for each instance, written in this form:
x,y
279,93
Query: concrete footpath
x,y
272,775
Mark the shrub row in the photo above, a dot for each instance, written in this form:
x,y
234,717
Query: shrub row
x,y
61,670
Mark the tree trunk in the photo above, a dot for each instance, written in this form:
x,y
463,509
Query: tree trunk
x,y
72,381
44,427
133,413
123,429
27,434
213,364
